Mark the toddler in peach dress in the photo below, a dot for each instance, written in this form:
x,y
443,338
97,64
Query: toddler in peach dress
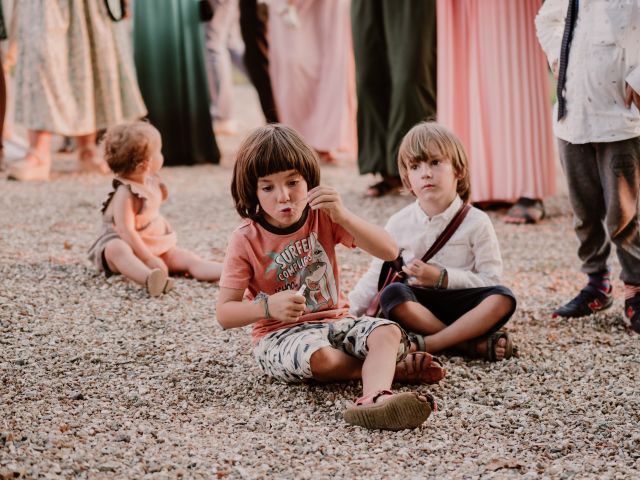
x,y
136,240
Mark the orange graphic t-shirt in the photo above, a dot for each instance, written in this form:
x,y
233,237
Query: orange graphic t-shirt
x,y
263,258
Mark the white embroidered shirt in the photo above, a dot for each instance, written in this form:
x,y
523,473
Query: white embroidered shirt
x,y
471,256
604,55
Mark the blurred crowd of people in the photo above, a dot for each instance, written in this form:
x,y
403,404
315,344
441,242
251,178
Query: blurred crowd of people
x,y
352,76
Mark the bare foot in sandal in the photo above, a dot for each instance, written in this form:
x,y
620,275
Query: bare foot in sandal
x,y
525,211
385,410
32,168
494,347
499,348
419,367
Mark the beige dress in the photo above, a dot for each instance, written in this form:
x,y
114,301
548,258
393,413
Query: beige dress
x,y
154,230
74,72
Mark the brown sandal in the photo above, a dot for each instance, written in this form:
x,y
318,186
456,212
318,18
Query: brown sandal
x,y
470,348
399,411
418,368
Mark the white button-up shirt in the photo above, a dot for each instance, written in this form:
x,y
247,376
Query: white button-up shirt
x,y
604,54
471,256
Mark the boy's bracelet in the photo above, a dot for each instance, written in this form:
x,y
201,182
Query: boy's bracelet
x,y
265,297
440,282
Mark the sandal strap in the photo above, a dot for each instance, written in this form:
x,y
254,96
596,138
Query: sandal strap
x,y
418,340
492,340
372,397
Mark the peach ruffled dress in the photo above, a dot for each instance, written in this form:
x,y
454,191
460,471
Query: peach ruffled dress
x,y
313,72
493,92
154,230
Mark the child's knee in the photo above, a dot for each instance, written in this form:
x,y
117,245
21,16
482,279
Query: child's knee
x,y
395,295
116,248
323,362
384,335
503,304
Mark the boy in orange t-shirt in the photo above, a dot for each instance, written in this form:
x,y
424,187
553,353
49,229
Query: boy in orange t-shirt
x,y
284,255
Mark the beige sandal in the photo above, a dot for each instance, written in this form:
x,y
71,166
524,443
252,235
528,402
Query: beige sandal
x,y
158,283
399,411
30,171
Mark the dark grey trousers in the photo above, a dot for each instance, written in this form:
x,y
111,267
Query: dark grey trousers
x,y
604,185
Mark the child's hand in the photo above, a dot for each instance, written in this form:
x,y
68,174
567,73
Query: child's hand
x,y
421,274
156,262
631,97
286,306
327,199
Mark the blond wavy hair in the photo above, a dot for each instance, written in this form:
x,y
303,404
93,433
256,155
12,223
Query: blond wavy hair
x,y
430,139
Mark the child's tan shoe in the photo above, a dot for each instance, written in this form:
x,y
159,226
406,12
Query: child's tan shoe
x,y
158,283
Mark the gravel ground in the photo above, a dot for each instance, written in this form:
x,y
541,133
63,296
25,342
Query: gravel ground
x,y
100,381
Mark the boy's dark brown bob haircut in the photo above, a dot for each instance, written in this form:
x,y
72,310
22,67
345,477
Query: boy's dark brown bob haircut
x,y
428,140
267,150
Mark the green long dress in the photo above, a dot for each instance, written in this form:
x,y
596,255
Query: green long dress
x,y
169,57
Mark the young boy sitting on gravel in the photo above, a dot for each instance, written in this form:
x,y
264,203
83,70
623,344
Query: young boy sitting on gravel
x,y
284,255
594,50
453,300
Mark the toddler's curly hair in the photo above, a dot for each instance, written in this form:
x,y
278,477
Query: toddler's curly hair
x,y
127,145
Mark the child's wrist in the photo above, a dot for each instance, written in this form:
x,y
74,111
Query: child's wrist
x,y
442,277
263,298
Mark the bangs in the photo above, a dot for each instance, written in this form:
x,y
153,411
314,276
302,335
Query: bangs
x,y
279,156
421,148
270,149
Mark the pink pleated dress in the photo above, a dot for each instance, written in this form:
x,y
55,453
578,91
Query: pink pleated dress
x,y
493,92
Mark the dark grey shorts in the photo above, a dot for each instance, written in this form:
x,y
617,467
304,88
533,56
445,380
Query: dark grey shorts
x,y
446,305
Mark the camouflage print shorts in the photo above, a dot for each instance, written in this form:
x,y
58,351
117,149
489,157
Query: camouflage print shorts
x,y
285,354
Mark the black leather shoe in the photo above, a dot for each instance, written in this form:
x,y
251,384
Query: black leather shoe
x,y
589,301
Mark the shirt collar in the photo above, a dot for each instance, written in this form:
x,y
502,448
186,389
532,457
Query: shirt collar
x,y
445,216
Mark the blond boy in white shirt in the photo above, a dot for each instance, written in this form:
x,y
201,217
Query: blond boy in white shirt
x,y
593,47
454,300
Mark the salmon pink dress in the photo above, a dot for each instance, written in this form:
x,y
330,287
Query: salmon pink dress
x,y
493,92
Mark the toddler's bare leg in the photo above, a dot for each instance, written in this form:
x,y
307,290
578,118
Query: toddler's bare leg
x,y
120,258
179,260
